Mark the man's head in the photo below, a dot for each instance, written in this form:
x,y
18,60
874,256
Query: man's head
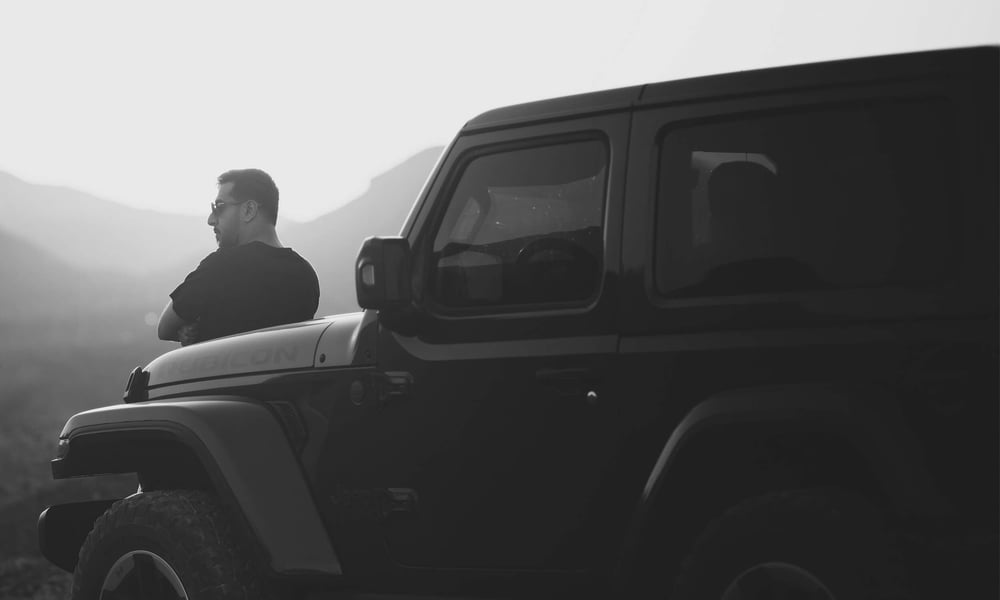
x,y
245,207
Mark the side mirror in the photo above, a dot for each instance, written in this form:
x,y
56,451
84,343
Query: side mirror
x,y
382,273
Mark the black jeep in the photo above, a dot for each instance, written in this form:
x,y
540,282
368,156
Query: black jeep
x,y
730,337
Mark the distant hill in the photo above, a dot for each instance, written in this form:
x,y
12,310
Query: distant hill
x,y
72,254
37,284
29,270
92,233
331,242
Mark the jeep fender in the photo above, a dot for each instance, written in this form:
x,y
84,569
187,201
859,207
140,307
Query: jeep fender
x,y
863,416
63,528
244,452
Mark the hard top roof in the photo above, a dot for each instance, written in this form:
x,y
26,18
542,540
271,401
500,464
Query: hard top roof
x,y
866,69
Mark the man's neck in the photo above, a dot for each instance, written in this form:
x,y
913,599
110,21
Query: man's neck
x,y
265,236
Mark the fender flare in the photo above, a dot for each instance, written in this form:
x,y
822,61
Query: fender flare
x,y
862,413
245,453
62,529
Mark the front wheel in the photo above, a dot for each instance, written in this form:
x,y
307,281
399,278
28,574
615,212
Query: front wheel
x,y
165,545
810,544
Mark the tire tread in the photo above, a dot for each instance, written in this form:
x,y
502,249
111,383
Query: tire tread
x,y
207,544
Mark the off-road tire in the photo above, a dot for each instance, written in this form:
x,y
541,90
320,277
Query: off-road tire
x,y
189,530
836,537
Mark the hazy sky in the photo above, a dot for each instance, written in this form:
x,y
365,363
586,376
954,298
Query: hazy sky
x,y
146,103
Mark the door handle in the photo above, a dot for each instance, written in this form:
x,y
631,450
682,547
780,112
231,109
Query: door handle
x,y
578,383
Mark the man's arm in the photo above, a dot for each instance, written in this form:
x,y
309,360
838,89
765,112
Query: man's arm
x,y
181,318
173,328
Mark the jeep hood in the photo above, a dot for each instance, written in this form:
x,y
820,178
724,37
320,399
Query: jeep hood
x,y
322,343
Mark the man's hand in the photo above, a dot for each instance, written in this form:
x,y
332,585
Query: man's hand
x,y
188,334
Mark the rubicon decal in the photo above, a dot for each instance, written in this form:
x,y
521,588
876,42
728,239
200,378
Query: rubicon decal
x,y
234,361
285,348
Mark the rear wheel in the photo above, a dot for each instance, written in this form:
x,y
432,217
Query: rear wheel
x,y
808,544
165,545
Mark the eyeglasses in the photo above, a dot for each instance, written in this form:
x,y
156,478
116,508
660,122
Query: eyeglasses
x,y
218,205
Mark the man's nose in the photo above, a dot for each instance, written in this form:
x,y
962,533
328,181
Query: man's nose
x,y
212,220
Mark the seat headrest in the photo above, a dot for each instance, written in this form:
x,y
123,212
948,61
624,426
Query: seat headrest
x,y
741,189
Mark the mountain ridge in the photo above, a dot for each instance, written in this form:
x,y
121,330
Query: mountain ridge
x,y
122,256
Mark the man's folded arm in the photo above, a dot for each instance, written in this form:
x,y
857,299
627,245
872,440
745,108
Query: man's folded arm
x,y
170,323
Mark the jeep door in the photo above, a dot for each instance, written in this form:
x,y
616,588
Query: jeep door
x,y
792,230
500,437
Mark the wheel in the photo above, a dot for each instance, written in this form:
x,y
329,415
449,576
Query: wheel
x,y
177,545
808,544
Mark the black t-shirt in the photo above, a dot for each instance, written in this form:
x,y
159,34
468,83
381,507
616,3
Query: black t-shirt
x,y
247,287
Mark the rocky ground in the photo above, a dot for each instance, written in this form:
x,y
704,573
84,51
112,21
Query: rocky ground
x,y
33,578
24,572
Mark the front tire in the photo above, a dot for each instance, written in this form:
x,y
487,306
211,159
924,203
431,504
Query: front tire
x,y
815,544
176,545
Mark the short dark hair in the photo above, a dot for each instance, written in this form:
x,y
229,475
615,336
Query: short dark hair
x,y
254,184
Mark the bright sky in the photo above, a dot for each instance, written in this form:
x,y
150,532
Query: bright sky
x,y
145,104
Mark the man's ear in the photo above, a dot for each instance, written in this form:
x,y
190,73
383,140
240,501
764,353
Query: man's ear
x,y
249,211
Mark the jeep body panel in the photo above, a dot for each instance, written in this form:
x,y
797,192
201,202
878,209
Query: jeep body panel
x,y
856,414
593,103
243,407
245,453
250,360
285,348
891,69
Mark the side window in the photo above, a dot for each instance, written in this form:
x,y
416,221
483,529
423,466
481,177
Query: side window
x,y
523,227
840,197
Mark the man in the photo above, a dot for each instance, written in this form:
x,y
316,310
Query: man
x,y
251,281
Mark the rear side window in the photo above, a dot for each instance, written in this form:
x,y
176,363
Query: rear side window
x,y
523,227
846,196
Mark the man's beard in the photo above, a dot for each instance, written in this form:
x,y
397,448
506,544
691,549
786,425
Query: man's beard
x,y
221,241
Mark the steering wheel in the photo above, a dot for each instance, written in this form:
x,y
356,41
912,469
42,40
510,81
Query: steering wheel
x,y
534,251
453,248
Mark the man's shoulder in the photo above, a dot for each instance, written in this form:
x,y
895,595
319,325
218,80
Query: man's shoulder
x,y
296,256
251,251
254,254
225,255
228,257
219,256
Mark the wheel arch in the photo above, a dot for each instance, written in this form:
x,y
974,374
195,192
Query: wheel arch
x,y
745,442
162,455
232,446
